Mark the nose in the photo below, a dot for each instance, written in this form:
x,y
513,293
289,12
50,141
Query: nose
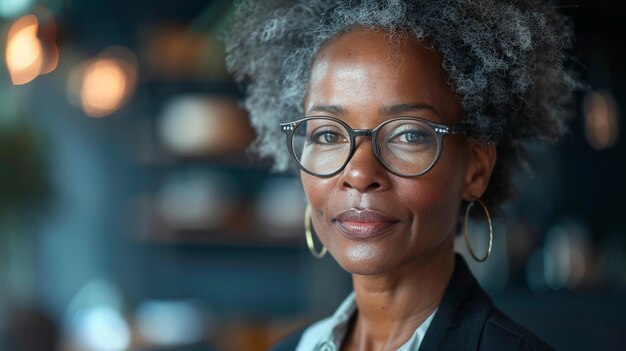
x,y
364,172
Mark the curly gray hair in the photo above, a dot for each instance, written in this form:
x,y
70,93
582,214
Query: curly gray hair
x,y
504,59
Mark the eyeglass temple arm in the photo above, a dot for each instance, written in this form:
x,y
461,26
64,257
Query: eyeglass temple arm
x,y
287,127
455,129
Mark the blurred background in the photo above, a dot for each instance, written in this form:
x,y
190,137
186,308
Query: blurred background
x,y
131,217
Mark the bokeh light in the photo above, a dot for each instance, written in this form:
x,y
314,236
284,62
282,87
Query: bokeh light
x,y
195,200
101,329
196,124
280,207
31,49
102,85
185,126
170,323
601,120
24,53
94,318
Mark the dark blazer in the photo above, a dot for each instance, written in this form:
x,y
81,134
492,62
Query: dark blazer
x,y
466,320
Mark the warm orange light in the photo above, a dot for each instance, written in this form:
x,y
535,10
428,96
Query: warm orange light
x,y
104,87
52,60
601,121
24,53
31,49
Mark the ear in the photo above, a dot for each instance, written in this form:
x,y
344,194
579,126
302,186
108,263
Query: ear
x,y
479,169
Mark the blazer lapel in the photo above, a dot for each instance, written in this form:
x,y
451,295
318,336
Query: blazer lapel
x,y
461,315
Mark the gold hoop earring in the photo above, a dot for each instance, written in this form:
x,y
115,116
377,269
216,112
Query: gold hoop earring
x,y
309,235
469,246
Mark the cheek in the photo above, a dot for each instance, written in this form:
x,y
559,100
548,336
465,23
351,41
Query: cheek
x,y
314,188
435,197
434,211
316,191
427,196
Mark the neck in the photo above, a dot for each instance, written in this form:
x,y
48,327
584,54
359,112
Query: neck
x,y
393,305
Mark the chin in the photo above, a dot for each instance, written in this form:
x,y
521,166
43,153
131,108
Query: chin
x,y
363,259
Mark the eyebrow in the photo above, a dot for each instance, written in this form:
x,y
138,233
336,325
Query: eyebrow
x,y
402,108
334,109
385,110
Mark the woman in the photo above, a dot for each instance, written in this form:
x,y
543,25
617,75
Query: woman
x,y
401,116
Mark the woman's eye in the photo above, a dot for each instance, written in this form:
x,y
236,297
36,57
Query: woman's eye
x,y
326,137
411,136
325,133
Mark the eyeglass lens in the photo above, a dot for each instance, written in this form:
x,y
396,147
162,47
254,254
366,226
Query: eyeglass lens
x,y
406,146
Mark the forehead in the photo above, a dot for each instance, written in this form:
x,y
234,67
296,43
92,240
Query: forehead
x,y
364,71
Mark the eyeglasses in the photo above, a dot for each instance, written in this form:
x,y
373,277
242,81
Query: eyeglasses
x,y
405,146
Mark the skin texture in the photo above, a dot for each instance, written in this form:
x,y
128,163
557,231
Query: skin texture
x,y
400,275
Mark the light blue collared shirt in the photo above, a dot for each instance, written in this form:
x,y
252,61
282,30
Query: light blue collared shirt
x,y
328,334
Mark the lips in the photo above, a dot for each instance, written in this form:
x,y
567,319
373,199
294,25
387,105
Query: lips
x,y
364,223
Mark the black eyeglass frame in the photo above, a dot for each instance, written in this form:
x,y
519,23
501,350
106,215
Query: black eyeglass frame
x,y
440,130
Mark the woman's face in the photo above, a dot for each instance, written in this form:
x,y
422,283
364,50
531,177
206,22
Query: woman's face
x,y
370,220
